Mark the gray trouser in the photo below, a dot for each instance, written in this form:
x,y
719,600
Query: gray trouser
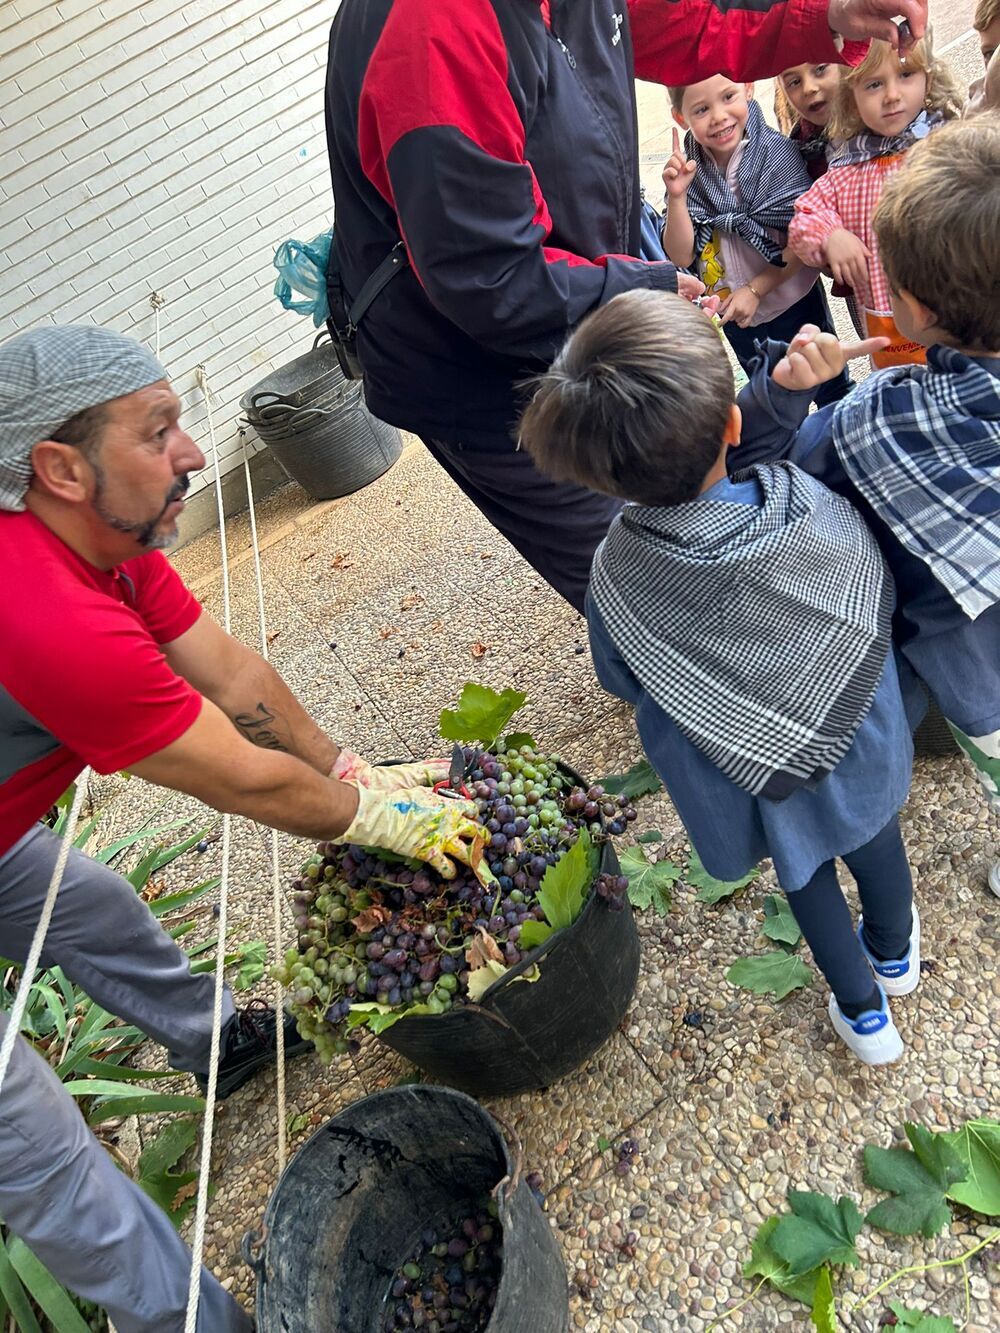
x,y
95,1230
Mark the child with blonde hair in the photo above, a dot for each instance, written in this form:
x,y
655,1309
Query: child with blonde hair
x,y
729,199
884,106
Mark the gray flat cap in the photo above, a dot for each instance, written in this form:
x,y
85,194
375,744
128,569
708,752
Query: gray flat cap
x,y
49,374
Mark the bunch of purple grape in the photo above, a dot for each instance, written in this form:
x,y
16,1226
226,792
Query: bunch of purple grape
x,y
613,889
449,1283
374,928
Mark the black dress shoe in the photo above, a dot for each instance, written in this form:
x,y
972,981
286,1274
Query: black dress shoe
x,y
250,1045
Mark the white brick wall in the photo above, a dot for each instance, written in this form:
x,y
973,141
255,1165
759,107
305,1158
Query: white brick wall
x,y
167,146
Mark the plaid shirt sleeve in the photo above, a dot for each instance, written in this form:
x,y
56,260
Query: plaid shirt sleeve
x,y
816,216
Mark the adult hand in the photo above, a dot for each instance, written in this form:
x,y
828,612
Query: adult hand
x,y
740,307
848,259
858,19
688,286
350,767
679,171
813,358
419,823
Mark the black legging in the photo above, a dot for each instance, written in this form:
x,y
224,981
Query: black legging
x,y
885,887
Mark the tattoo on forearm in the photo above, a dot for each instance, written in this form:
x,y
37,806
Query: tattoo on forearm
x,y
256,727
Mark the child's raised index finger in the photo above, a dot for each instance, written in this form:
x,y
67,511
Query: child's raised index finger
x,y
864,348
677,140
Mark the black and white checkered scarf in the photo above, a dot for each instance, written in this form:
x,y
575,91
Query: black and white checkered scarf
x,y
770,176
762,631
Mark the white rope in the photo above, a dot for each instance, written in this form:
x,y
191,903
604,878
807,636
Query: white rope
x,y
208,1127
277,898
41,930
156,300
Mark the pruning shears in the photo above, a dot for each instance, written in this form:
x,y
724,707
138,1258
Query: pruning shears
x,y
454,784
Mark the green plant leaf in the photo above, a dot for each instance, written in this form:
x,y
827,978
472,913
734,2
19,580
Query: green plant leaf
x,y
481,714
916,1321
977,1143
379,1017
158,858
603,1144
518,738
251,963
779,923
142,1105
823,1315
919,1182
52,1298
534,933
819,1231
777,973
712,890
640,780
649,882
564,885
14,1294
113,848
174,902
297,1123
155,1168
765,1261
651,835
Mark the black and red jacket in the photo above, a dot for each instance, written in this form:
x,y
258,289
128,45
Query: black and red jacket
x,y
499,139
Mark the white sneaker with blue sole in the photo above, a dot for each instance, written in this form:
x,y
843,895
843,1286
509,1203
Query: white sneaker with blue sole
x,y
872,1036
897,976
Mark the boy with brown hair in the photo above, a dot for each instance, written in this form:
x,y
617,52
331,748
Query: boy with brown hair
x,y
917,448
748,621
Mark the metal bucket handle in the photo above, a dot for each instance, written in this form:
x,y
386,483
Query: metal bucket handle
x,y
252,1249
503,1191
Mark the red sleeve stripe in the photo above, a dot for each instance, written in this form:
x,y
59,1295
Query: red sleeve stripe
x,y
424,73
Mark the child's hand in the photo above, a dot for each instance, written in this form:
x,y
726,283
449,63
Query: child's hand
x,y
848,259
679,171
813,358
740,306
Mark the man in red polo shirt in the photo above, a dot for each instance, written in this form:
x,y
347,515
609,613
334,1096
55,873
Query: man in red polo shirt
x,y
107,659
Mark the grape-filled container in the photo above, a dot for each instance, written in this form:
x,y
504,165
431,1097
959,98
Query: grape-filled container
x,y
526,1035
353,1202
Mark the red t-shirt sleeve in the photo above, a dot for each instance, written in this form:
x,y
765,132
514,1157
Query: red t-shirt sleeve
x,y
163,600
97,678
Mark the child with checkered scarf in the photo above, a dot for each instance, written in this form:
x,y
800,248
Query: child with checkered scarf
x,y
748,621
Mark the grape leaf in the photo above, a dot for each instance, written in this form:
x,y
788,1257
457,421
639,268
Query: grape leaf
x,y
713,890
378,1017
819,1231
603,1144
565,884
534,933
916,1321
483,978
977,1143
651,835
649,882
776,973
764,1261
779,923
481,714
823,1315
918,1180
483,949
640,780
516,739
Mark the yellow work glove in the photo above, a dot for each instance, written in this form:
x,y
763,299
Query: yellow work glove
x,y
350,767
421,824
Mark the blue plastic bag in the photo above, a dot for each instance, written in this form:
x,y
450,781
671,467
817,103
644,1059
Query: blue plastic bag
x,y
302,268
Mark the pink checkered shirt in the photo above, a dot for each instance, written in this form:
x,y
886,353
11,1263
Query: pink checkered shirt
x,y
845,197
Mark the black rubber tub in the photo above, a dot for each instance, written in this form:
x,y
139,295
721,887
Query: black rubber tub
x,y
350,1207
526,1035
